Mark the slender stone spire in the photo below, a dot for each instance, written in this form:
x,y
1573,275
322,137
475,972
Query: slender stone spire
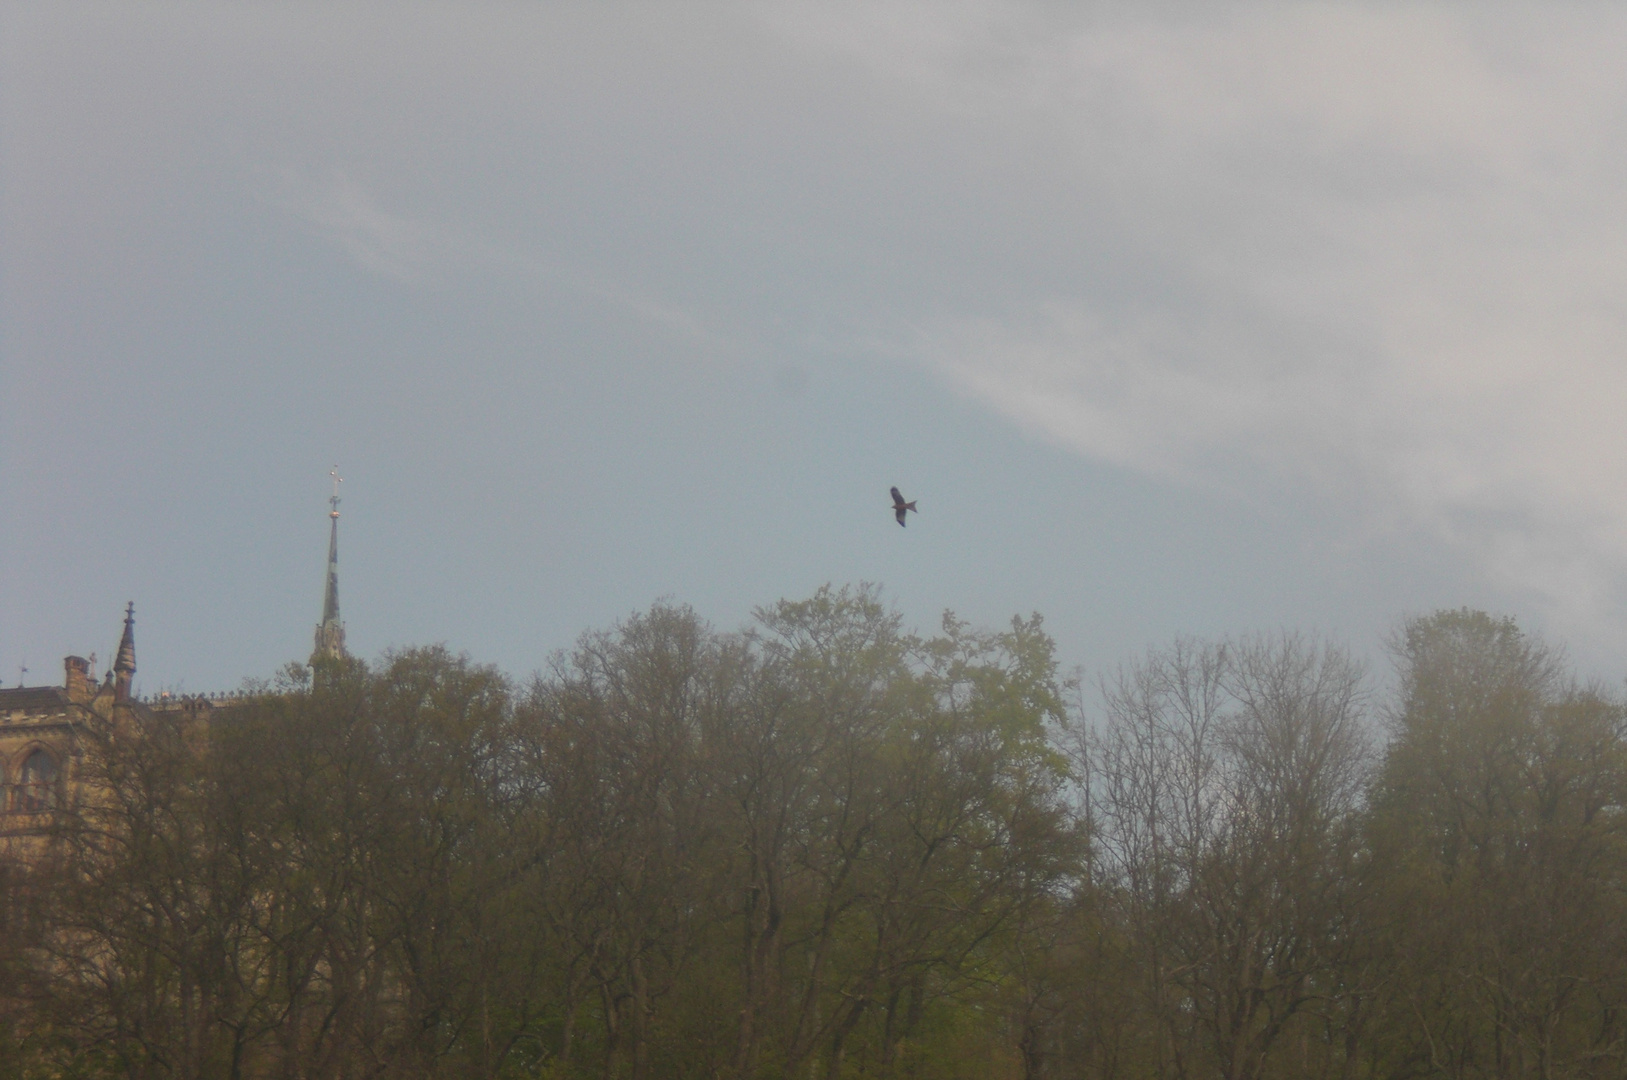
x,y
124,664
330,632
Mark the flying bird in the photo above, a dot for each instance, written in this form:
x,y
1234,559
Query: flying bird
x,y
900,507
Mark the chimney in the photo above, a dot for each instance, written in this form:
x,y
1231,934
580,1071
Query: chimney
x,y
77,680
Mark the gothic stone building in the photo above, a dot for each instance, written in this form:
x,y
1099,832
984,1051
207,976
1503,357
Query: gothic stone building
x,y
43,731
43,728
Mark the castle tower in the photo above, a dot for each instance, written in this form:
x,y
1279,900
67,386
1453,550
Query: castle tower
x,y
330,632
124,664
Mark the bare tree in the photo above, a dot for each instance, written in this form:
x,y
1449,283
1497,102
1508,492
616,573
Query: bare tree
x,y
1226,780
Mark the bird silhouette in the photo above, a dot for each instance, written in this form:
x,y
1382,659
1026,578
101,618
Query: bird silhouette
x,y
900,507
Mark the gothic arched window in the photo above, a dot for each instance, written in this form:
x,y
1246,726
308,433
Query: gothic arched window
x,y
37,783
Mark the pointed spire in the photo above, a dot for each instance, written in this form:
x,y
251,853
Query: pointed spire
x,y
124,664
330,632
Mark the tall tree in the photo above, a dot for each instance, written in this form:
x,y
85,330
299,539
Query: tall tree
x,y
1227,777
1498,849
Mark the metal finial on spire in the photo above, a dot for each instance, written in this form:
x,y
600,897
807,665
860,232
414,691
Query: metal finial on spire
x,y
330,632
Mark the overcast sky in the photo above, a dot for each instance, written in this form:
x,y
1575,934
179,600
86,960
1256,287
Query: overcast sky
x,y
1174,318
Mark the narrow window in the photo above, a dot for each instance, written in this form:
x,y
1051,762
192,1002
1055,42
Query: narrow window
x,y
36,789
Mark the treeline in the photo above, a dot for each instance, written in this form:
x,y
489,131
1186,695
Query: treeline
x,y
826,847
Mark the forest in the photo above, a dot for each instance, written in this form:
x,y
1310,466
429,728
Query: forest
x,y
827,846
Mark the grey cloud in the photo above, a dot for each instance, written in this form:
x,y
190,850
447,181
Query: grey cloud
x,y
1396,233
348,214
1363,256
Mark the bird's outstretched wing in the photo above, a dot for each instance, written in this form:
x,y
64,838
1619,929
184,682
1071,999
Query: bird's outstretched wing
x,y
900,507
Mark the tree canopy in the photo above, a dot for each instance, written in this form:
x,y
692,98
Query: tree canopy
x,y
826,846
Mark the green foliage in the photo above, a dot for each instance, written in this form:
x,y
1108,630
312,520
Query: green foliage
x,y
827,847
1497,835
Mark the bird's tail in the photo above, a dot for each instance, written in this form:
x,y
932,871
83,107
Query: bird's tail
x,y
911,506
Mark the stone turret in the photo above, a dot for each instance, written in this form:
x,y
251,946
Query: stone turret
x,y
124,665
